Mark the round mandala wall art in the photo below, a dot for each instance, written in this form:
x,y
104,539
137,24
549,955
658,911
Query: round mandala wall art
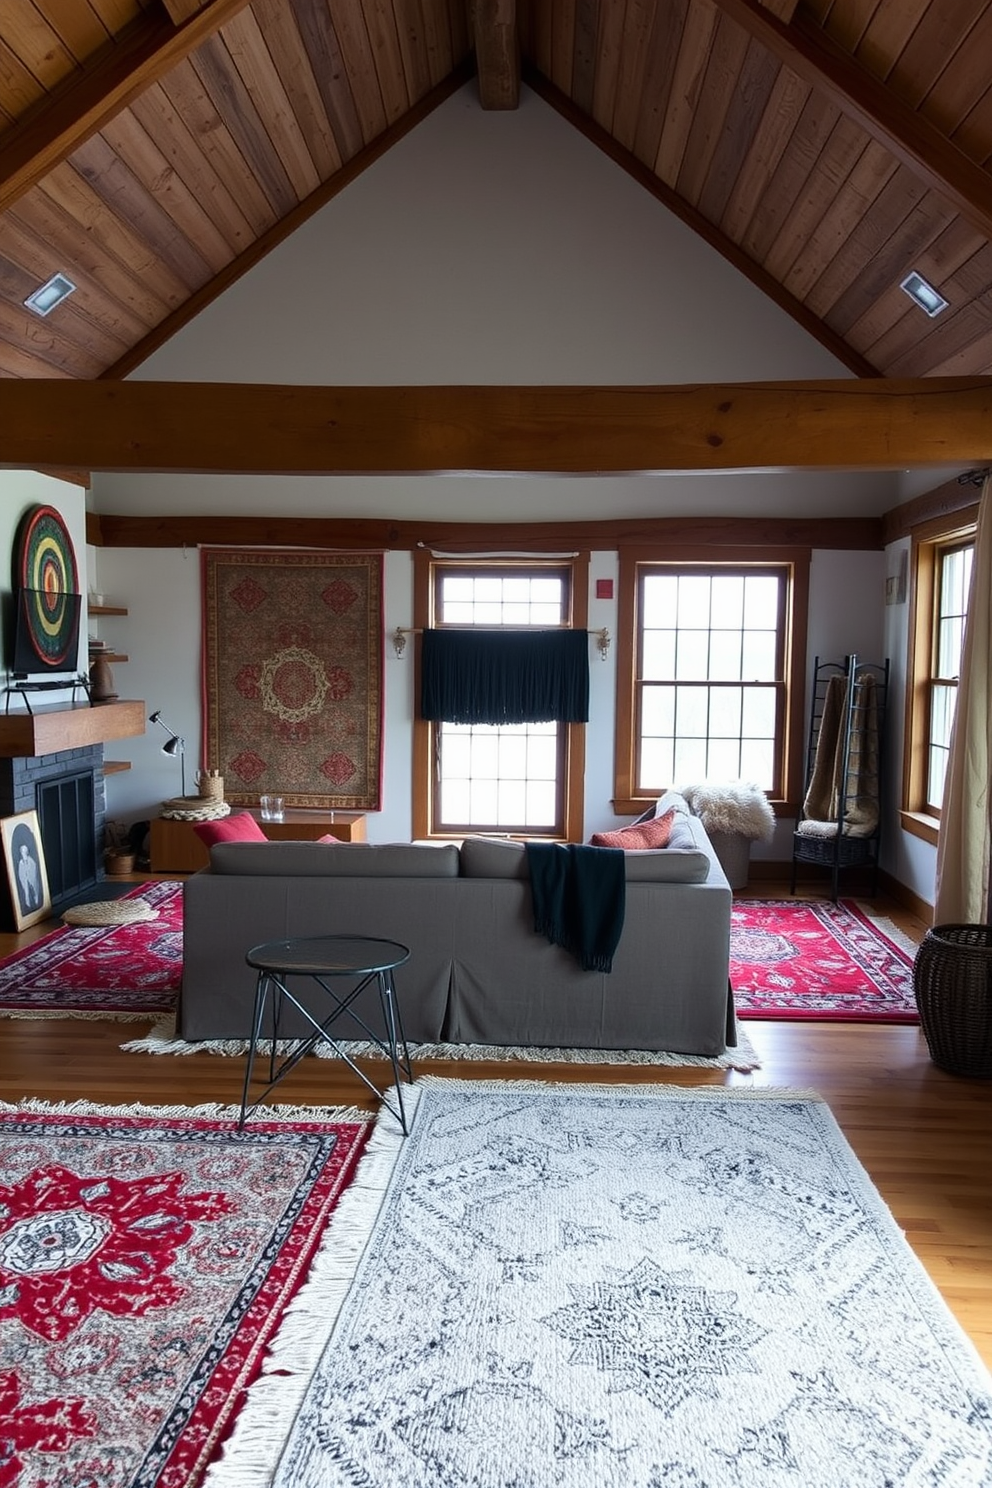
x,y
48,592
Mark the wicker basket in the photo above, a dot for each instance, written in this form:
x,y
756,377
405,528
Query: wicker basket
x,y
211,787
952,979
120,862
734,853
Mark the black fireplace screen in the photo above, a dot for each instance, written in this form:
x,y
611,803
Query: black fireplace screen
x,y
68,833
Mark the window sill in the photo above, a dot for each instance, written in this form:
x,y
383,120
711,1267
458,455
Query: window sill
x,y
927,828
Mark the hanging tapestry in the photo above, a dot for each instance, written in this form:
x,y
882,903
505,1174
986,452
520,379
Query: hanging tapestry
x,y
292,676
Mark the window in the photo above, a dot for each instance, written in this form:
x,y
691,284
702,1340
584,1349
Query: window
x,y
706,656
942,560
509,778
953,585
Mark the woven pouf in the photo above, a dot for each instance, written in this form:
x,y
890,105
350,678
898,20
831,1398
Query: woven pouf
x,y
194,808
952,979
109,912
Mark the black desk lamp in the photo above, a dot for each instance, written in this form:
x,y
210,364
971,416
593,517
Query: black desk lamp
x,y
173,745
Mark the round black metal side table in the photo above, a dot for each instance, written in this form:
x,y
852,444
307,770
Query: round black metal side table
x,y
323,959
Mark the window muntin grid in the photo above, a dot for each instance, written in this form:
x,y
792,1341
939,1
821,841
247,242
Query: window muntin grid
x,y
711,687
954,565
506,777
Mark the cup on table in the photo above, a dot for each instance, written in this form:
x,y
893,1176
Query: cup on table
x,y
271,808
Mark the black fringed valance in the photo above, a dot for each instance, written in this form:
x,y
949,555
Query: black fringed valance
x,y
505,676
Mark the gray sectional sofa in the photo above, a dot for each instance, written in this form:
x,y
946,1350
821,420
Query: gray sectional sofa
x,y
477,972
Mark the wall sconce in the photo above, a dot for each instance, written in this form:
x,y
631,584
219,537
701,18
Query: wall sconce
x,y
603,639
173,745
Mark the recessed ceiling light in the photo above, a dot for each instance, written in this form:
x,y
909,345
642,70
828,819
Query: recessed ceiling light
x,y
44,300
923,294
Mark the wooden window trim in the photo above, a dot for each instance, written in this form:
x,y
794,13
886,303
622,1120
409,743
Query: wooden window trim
x,y
575,733
627,800
927,541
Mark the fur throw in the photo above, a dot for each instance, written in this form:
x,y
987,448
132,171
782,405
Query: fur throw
x,y
740,808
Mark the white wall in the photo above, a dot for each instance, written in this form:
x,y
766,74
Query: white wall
x,y
492,247
161,588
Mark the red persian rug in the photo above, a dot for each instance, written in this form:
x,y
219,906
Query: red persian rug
x,y
146,1261
120,971
292,676
818,960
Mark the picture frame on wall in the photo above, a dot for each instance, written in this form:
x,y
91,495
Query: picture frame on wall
x,y
27,876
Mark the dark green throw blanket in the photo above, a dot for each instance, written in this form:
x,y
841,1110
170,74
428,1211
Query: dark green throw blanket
x,y
579,897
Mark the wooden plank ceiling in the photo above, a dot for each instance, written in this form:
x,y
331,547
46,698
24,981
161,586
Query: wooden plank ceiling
x,y
153,151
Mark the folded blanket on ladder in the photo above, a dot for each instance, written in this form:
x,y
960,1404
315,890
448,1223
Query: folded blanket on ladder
x,y
579,899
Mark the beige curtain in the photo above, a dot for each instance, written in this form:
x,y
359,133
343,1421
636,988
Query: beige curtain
x,y
963,847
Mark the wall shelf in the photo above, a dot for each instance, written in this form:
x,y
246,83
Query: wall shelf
x,y
108,609
115,767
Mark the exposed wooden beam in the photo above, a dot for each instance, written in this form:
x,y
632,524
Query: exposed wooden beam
x,y
88,99
700,225
911,138
497,52
118,531
255,428
945,500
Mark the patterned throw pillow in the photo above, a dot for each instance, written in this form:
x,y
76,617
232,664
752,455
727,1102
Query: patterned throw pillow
x,y
640,835
240,826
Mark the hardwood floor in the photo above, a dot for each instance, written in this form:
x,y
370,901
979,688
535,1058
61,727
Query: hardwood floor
x,y
924,1136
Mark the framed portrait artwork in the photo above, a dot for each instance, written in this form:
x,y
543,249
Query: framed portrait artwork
x,y
26,874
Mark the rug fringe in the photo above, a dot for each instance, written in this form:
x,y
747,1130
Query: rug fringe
x,y
66,1013
251,1453
211,1111
890,930
743,1059
650,1092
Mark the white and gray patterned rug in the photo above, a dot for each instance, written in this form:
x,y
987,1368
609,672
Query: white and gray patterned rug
x,y
621,1287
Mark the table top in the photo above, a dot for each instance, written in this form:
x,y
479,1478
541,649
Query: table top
x,y
328,955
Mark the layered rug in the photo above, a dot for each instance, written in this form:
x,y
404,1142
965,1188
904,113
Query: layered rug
x,y
790,958
627,1288
147,1258
118,971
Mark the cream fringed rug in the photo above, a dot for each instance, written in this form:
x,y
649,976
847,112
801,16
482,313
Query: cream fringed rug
x,y
162,1040
594,1287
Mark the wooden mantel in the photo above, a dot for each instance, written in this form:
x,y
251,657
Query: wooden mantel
x,y
55,726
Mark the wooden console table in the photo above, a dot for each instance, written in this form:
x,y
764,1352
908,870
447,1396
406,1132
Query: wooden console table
x,y
175,847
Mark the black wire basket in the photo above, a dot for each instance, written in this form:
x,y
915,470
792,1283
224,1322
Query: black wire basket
x,y
952,980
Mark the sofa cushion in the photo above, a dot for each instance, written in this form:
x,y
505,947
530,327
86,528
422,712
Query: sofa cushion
x,y
335,859
493,857
654,833
240,826
667,865
500,857
670,801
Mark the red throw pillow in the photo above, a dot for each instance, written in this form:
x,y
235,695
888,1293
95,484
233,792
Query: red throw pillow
x,y
241,826
653,833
